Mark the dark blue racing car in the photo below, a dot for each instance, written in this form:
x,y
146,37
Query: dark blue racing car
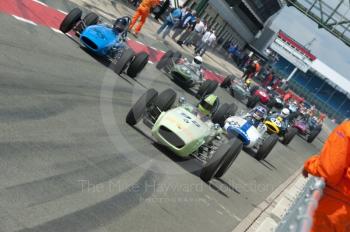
x,y
107,41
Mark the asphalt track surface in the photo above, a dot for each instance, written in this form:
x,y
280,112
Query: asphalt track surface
x,y
64,161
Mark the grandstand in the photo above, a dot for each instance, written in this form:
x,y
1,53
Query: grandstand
x,y
319,84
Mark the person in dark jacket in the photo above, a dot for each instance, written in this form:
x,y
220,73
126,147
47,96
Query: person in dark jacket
x,y
163,8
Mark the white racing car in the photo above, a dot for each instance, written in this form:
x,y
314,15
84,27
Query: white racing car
x,y
252,132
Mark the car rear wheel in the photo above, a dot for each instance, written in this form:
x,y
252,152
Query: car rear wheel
x,y
266,147
252,101
139,108
253,89
227,82
165,60
236,148
207,87
213,165
122,63
289,135
71,19
225,111
138,64
91,19
165,100
313,134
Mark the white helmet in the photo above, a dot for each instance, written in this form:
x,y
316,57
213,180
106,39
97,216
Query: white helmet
x,y
285,113
197,60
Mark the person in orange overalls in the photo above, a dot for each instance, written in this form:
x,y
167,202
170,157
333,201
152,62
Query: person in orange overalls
x,y
142,11
333,164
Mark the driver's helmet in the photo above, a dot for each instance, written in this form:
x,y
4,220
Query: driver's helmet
x,y
197,60
248,82
285,113
269,88
208,104
259,113
120,25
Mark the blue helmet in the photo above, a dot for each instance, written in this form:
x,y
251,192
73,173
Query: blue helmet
x,y
259,113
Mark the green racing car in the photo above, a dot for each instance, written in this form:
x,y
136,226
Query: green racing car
x,y
189,75
186,131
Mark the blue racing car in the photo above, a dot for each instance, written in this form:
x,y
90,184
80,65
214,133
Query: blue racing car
x,y
105,40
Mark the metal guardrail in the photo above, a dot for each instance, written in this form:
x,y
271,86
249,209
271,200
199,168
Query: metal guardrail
x,y
299,216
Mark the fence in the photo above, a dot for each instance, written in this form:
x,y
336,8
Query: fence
x,y
299,217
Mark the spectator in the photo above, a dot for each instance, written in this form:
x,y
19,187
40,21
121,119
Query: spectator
x,y
206,41
277,83
268,79
142,12
252,69
232,50
186,20
162,9
195,35
333,164
171,20
188,31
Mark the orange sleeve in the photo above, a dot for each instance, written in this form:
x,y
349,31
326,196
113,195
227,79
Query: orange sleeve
x,y
333,160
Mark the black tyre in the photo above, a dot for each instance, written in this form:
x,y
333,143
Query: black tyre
x,y
313,134
126,58
138,64
165,60
236,148
232,110
227,82
207,87
253,89
165,100
267,146
220,115
71,19
216,162
176,57
289,135
271,104
252,101
138,110
91,19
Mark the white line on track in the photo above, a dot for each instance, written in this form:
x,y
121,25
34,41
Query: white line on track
x,y
150,62
154,48
56,30
63,12
41,3
139,42
24,20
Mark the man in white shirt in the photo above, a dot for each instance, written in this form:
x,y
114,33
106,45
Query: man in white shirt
x,y
208,40
195,34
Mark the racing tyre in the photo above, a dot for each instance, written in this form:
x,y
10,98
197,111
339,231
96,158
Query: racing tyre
x,y
126,58
207,87
176,57
289,135
234,152
70,20
165,60
91,19
227,82
138,110
267,146
138,64
220,115
224,153
271,104
313,134
253,89
232,110
165,100
252,101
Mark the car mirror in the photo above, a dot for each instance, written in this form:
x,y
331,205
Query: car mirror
x,y
216,126
182,100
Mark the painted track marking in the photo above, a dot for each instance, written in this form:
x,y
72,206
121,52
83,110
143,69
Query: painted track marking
x,y
24,20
